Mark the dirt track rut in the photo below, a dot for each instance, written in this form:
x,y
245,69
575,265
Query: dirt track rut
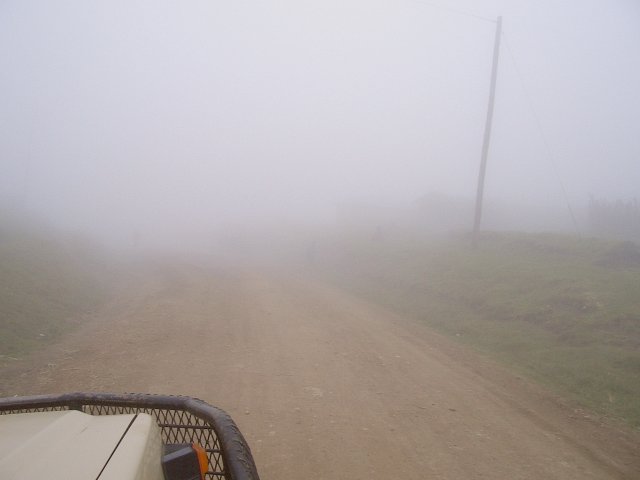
x,y
325,385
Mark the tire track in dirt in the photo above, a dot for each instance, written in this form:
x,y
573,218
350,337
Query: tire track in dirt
x,y
325,385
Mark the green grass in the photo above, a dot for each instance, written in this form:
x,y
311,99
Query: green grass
x,y
561,309
46,286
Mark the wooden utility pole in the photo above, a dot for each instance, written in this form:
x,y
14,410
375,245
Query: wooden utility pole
x,y
487,135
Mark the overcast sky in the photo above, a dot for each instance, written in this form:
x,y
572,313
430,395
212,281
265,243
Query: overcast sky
x,y
128,114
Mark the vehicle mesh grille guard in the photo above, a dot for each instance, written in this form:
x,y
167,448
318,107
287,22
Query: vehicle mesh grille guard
x,y
181,419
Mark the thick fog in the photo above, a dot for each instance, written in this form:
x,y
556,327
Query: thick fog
x,y
151,118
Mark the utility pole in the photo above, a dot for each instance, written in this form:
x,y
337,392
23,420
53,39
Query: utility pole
x,y
487,135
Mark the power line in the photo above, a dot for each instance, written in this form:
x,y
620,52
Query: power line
x,y
454,10
547,147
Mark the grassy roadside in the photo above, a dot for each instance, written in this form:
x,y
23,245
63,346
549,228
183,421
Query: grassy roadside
x,y
563,310
46,286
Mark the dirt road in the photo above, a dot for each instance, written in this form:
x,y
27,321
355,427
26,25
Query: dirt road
x,y
325,385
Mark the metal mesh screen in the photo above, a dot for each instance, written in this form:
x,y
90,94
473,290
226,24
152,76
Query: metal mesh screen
x,y
181,420
177,427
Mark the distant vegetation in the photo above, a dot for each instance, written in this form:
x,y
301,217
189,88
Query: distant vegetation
x,y
615,219
47,284
561,309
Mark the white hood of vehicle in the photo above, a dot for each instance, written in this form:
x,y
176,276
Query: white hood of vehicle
x,y
72,445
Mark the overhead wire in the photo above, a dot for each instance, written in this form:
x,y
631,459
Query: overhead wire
x,y
550,157
534,113
454,10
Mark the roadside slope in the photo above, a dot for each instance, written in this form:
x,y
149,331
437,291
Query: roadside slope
x,y
48,281
325,385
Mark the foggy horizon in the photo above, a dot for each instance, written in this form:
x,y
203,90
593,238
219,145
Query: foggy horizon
x,y
271,208
168,118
